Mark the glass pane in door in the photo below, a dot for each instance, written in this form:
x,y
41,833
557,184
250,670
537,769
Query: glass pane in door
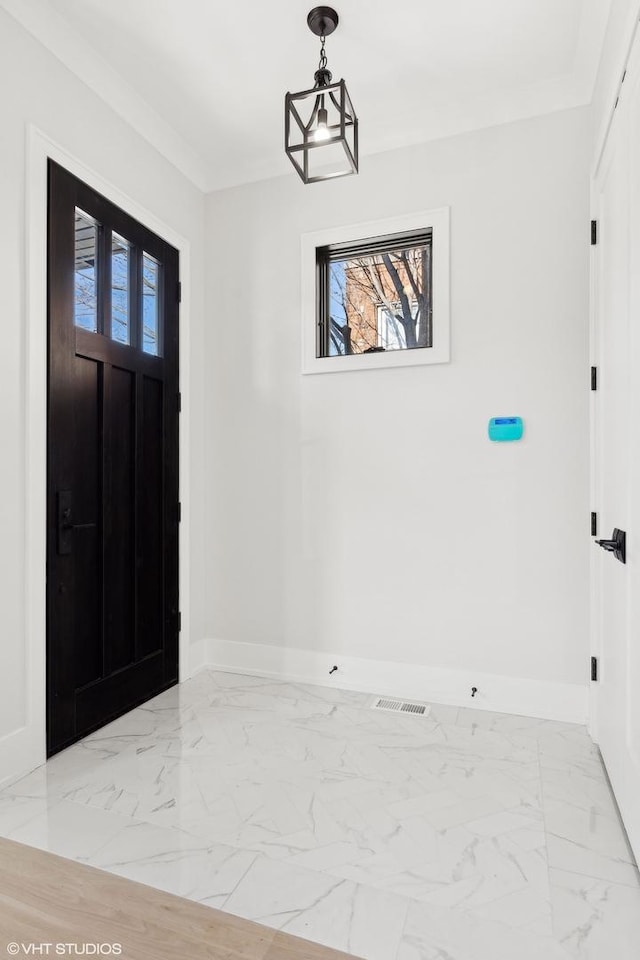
x,y
119,289
86,277
150,305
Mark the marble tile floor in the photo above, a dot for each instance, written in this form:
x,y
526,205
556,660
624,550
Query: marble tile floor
x,y
463,835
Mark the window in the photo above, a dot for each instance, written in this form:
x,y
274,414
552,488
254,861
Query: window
x,y
150,303
118,285
374,295
120,288
377,295
85,279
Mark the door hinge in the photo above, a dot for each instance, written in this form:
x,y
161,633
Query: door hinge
x,y
594,378
179,622
179,292
594,524
594,668
179,512
594,232
179,403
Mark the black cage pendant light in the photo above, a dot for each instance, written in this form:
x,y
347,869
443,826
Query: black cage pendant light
x,y
321,127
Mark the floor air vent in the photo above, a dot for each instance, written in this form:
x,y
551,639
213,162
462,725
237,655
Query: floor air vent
x,y
400,706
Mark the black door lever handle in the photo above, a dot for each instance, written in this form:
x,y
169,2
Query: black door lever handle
x,y
609,545
617,545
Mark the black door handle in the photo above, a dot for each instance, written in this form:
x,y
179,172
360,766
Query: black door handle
x,y
617,545
65,527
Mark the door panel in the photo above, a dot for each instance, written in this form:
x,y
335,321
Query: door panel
x,y
617,409
150,543
632,699
112,554
613,400
119,530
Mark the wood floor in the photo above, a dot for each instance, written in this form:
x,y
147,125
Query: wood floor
x,y
45,899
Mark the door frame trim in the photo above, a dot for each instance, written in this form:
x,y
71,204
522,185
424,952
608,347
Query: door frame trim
x,y
595,649
627,40
630,62
30,740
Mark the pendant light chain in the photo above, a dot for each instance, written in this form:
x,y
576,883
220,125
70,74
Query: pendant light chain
x,y
323,54
322,75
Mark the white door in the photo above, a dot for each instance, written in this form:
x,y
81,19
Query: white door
x,y
616,265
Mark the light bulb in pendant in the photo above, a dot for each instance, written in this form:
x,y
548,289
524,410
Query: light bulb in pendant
x,y
322,127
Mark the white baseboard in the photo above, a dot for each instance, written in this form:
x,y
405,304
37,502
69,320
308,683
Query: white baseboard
x,y
546,700
198,658
21,751
24,749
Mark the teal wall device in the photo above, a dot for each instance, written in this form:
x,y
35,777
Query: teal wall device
x,y
504,429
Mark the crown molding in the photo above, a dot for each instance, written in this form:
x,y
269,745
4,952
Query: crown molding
x,y
571,90
58,36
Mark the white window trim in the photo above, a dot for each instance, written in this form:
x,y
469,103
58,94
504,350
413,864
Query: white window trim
x,y
436,220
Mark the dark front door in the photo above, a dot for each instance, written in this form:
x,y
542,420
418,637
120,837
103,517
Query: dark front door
x,y
112,527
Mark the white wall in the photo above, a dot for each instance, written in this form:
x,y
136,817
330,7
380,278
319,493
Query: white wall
x,y
38,90
366,514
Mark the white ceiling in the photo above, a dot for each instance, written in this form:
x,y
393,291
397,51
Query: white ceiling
x,y
205,80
